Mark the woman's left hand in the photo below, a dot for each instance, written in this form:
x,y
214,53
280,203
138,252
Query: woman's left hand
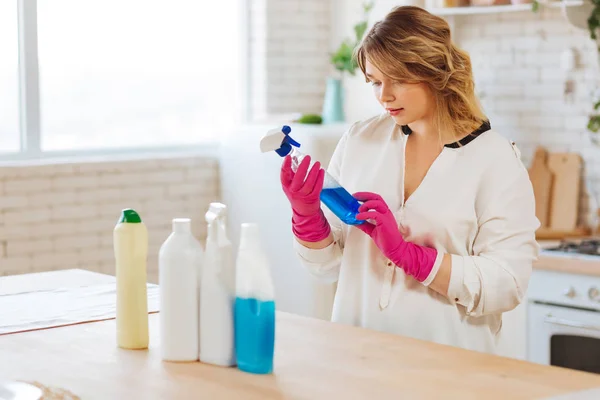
x,y
384,229
414,259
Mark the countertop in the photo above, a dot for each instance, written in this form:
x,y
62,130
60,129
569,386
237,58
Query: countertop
x,y
314,359
566,262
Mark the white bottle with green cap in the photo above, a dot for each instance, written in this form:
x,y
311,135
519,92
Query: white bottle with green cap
x,y
130,238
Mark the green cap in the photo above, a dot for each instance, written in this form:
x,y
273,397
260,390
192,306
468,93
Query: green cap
x,y
129,216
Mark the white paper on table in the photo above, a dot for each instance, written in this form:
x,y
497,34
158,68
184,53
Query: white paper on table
x,y
590,394
66,306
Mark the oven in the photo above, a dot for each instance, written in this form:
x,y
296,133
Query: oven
x,y
563,320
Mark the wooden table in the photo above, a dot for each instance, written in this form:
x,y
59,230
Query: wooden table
x,y
314,360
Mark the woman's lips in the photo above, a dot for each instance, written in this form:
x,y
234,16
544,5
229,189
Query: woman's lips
x,y
394,111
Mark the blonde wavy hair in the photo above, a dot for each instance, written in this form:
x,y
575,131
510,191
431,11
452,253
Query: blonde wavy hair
x,y
413,46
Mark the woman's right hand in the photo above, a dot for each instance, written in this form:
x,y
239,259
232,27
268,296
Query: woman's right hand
x,y
304,194
303,191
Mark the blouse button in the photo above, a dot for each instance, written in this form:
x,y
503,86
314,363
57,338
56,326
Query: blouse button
x,y
456,299
389,263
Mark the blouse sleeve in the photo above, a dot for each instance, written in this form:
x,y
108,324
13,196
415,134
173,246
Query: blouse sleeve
x,y
495,278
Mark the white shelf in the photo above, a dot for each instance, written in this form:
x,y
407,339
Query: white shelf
x,y
502,9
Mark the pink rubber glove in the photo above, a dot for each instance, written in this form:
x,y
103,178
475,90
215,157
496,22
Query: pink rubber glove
x,y
303,191
415,260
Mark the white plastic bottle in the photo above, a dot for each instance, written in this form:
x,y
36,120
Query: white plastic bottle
x,y
130,242
217,292
254,305
179,264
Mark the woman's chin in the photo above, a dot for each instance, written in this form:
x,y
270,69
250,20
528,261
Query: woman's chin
x,y
402,119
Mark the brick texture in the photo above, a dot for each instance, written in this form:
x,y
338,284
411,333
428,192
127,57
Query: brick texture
x,y
61,216
289,55
517,67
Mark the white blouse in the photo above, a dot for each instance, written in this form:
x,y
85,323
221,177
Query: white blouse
x,y
476,201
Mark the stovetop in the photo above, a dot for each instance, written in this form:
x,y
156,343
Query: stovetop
x,y
585,246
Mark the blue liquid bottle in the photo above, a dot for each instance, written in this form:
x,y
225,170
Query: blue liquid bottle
x,y
254,309
341,203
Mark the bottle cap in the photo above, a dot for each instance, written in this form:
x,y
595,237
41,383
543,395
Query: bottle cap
x,y
129,216
249,236
278,140
182,225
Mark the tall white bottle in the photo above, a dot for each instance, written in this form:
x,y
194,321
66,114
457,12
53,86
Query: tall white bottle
x,y
179,261
130,244
217,292
254,305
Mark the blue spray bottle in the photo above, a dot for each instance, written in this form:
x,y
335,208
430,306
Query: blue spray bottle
x,y
333,195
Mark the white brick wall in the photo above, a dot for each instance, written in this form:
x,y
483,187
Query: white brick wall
x,y
516,59
289,55
62,216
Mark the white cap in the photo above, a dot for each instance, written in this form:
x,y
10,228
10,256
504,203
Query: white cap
x,y
250,237
182,225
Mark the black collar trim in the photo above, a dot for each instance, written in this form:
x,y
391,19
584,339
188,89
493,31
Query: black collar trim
x,y
486,126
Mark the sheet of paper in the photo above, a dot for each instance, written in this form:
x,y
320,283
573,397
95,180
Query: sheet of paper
x,y
27,311
591,394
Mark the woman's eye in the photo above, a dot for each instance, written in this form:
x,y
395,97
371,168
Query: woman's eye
x,y
375,83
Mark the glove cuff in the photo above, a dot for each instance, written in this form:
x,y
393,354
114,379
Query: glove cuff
x,y
313,228
416,261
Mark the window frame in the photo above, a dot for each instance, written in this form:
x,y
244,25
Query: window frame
x,y
29,95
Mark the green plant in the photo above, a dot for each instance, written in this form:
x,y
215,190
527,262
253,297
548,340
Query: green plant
x,y
310,119
593,23
343,59
594,122
594,20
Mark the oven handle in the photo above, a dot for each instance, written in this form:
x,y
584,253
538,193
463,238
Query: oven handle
x,y
569,323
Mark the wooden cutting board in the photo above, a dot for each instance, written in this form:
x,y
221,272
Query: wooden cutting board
x,y
566,171
541,180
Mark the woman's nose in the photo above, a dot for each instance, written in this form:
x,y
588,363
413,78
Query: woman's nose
x,y
386,95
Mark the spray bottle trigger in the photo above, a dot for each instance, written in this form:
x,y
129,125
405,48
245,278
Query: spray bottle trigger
x,y
288,139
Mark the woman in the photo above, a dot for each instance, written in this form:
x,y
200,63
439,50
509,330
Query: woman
x,y
448,240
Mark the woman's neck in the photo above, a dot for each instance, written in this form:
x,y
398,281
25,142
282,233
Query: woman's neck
x,y
426,131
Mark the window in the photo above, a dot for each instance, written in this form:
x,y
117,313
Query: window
x,y
9,78
120,74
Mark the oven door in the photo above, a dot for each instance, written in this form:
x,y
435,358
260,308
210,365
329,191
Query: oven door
x,y
565,337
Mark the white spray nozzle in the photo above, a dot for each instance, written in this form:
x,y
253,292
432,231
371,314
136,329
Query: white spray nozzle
x,y
215,211
272,140
278,140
